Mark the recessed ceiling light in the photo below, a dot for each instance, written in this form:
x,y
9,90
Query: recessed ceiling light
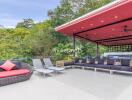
x,y
116,17
91,24
113,29
82,27
102,21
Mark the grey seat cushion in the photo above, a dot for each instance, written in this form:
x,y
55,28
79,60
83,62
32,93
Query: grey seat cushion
x,y
80,64
103,66
90,65
85,65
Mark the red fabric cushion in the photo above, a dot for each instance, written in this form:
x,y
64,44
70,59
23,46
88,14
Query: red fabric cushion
x,y
13,73
8,65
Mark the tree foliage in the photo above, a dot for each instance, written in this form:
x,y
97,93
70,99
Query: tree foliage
x,y
41,40
26,23
12,42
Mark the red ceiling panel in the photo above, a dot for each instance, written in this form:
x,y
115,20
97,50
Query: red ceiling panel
x,y
116,30
90,23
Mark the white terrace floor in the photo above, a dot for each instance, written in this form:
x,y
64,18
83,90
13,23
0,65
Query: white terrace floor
x,y
74,84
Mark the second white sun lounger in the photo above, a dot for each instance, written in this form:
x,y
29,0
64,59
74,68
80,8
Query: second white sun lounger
x,y
49,65
38,66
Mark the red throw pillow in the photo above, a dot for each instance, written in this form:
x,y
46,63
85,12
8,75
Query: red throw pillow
x,y
8,65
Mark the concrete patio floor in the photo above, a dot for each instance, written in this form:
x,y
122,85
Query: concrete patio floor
x,y
74,84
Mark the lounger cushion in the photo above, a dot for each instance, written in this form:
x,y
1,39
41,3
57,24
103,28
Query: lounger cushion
x,y
8,65
13,73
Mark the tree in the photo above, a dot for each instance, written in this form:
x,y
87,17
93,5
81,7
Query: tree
x,y
11,44
59,16
26,23
40,39
90,5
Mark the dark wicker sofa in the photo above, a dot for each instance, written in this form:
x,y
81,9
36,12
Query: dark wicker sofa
x,y
15,78
124,66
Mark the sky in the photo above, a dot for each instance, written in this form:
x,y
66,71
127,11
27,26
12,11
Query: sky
x,y
13,11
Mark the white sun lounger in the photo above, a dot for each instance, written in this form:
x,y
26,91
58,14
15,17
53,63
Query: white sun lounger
x,y
49,65
38,66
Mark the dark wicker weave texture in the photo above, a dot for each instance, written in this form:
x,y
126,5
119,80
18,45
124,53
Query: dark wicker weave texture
x,y
14,79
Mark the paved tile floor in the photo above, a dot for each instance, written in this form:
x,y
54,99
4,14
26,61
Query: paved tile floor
x,y
73,84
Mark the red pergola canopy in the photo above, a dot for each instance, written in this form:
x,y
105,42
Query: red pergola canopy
x,y
109,25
